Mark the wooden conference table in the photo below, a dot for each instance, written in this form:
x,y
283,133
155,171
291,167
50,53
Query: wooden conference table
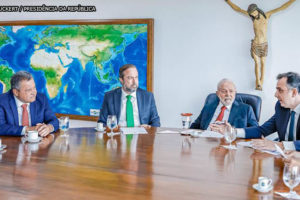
x,y
89,165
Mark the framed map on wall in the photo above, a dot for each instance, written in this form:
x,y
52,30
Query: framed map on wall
x,y
75,62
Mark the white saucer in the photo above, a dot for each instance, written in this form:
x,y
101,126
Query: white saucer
x,y
255,186
2,147
33,141
100,130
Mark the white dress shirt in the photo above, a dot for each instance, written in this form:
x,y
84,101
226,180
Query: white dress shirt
x,y
20,112
122,120
217,112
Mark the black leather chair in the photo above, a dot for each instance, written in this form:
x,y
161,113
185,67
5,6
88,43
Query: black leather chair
x,y
252,100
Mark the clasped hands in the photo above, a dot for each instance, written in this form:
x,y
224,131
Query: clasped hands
x,y
41,128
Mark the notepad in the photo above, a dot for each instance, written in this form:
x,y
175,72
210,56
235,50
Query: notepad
x,y
168,132
133,130
210,134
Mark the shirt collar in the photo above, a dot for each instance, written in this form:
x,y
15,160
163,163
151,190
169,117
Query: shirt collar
x,y
19,102
124,94
297,109
227,107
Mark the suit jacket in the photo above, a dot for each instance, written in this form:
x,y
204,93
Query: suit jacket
x,y
146,106
40,112
241,115
277,123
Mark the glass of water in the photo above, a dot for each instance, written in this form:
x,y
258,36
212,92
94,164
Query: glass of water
x,y
230,136
64,125
186,120
111,123
291,178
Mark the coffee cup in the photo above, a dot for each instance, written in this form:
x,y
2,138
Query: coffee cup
x,y
264,182
100,126
33,136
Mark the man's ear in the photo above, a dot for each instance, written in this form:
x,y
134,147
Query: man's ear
x,y
294,92
15,92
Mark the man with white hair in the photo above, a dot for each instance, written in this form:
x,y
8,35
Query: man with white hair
x,y
225,108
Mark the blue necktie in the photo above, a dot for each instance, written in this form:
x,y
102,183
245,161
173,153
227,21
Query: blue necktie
x,y
291,130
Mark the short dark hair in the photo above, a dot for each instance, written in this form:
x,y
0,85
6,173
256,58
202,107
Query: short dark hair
x,y
124,68
18,77
292,80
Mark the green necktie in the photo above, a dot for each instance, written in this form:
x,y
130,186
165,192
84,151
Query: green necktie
x,y
129,112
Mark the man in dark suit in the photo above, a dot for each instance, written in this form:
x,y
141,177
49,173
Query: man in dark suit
x,y
22,109
285,121
225,108
131,105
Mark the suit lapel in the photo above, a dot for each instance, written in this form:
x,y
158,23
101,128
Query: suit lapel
x,y
139,99
117,102
14,109
210,113
285,117
298,129
233,112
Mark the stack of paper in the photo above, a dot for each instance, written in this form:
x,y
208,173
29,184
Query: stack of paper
x,y
168,132
210,134
133,130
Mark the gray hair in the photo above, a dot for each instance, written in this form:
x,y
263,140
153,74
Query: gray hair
x,y
292,80
18,77
124,68
224,80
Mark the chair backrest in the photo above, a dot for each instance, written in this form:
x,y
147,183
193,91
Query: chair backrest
x,y
252,100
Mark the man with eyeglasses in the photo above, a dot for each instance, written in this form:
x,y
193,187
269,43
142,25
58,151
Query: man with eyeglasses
x,y
131,105
285,121
225,108
23,109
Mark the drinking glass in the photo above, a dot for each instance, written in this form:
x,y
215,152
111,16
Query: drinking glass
x,y
186,121
291,178
229,136
111,123
64,125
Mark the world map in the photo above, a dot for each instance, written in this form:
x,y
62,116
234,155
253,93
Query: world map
x,y
73,65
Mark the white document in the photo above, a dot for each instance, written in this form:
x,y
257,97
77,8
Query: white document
x,y
187,132
245,144
288,195
249,144
280,151
210,134
168,132
133,130
275,153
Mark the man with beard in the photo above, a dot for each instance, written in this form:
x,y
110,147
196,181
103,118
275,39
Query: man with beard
x,y
131,105
23,109
259,45
225,108
285,123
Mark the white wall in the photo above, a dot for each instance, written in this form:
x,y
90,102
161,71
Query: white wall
x,y
197,43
